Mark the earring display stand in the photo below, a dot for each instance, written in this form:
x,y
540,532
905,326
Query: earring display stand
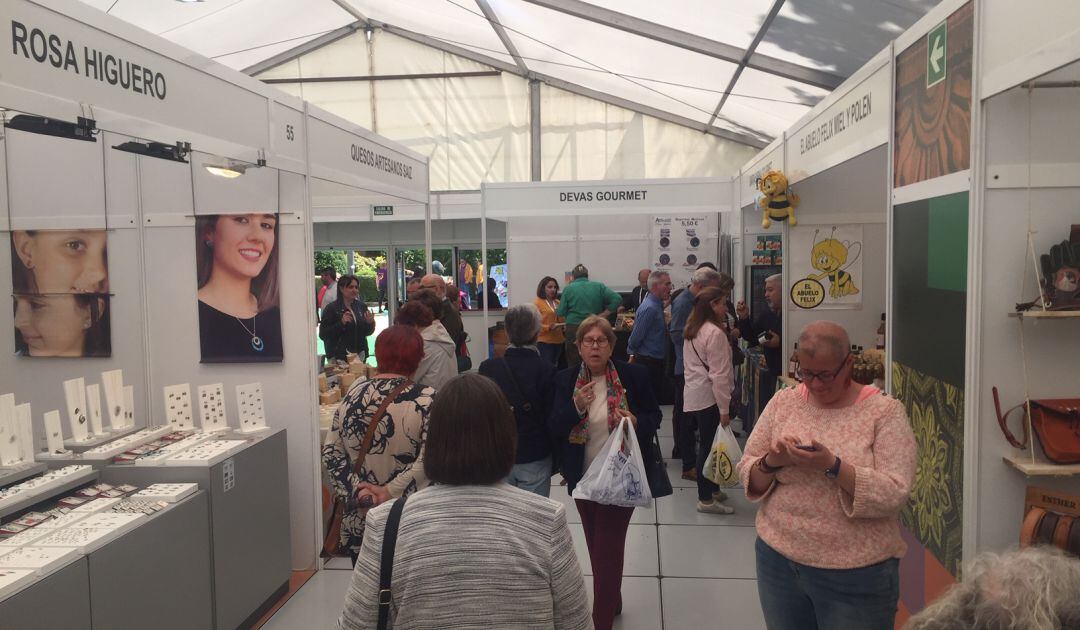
x,y
10,446
113,383
249,400
93,411
78,418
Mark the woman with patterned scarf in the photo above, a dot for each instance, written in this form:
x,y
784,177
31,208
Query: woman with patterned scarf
x,y
590,401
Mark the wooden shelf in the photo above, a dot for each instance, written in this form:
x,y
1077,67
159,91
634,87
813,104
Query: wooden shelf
x,y
1039,468
1041,314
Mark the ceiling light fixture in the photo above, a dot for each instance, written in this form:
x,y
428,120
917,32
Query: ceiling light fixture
x,y
228,169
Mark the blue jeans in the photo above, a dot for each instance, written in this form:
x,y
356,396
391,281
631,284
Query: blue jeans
x,y
550,351
797,597
532,477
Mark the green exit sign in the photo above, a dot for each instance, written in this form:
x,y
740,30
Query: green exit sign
x,y
936,54
383,211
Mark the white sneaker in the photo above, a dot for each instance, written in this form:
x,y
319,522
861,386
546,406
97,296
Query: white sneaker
x,y
719,495
714,507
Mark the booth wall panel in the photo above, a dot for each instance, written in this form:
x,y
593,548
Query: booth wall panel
x,y
172,313
39,380
165,188
54,182
1007,277
121,183
1013,30
856,188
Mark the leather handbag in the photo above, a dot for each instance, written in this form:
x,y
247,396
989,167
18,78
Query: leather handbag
x,y
1045,527
1057,425
655,468
332,543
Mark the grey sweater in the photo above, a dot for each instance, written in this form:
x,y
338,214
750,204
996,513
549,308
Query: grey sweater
x,y
472,557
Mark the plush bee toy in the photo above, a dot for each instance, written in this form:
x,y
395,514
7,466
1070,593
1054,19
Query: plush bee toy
x,y
778,202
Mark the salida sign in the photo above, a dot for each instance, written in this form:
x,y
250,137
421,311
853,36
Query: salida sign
x,y
63,54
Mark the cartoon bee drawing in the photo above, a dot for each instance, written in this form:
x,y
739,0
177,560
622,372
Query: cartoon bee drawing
x,y
831,258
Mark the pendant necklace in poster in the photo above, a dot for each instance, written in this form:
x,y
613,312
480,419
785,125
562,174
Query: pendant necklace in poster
x,y
256,341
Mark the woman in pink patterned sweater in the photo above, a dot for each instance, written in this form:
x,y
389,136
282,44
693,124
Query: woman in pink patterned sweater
x,y
832,462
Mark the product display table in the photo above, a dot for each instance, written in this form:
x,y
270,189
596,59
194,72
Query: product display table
x,y
249,522
154,575
14,474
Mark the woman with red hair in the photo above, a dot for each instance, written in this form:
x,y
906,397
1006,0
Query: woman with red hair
x,y
392,464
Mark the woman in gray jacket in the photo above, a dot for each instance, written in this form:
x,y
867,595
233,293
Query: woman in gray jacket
x,y
472,551
439,364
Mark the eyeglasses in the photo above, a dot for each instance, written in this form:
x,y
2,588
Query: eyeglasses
x,y
595,342
823,377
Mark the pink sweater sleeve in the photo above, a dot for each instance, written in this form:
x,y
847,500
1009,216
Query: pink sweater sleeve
x,y
881,490
757,446
721,375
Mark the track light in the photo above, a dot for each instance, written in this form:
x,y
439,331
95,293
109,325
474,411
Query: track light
x,y
176,152
227,169
84,129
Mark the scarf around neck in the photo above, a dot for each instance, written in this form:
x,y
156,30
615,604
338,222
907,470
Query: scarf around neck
x,y
616,399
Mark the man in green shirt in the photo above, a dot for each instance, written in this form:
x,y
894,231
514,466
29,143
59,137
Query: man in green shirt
x,y
580,299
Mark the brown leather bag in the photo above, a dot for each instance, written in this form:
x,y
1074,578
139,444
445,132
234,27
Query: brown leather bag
x,y
1056,422
1046,527
332,543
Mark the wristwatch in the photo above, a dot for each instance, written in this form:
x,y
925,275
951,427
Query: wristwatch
x,y
834,471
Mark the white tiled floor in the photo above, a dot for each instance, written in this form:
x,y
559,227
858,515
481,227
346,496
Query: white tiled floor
x,y
683,570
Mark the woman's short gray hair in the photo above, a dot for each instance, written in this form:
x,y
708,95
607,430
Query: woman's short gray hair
x,y
523,324
1035,588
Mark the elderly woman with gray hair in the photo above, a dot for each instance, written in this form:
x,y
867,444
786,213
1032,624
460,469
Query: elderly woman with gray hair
x,y
831,462
526,380
1035,588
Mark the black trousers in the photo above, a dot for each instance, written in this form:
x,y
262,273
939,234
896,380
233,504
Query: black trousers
x,y
657,377
708,420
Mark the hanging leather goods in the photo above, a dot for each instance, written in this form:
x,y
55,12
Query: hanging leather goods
x,y
1056,422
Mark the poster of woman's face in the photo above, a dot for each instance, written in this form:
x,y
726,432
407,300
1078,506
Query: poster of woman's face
x,y
60,281
237,266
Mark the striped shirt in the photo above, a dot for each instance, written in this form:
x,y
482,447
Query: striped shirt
x,y
477,557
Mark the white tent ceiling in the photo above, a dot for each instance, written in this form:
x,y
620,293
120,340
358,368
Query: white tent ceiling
x,y
746,69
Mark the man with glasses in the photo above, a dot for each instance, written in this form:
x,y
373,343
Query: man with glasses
x,y
765,331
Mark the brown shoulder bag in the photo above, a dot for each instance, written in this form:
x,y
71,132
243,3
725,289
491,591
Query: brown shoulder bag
x,y
1057,425
332,544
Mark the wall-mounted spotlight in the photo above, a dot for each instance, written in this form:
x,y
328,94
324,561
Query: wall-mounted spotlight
x,y
84,129
176,152
229,169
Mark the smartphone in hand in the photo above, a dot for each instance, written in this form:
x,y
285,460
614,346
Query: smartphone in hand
x,y
806,447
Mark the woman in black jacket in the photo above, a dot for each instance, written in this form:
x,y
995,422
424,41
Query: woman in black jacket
x,y
346,322
525,378
590,401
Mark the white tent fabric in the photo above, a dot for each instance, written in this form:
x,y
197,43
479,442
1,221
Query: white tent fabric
x,y
741,71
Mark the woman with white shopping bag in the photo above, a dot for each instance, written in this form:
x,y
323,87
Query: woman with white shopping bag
x,y
710,380
591,402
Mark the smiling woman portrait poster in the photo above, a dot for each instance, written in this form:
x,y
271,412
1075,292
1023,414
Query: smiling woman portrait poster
x,y
237,264
60,297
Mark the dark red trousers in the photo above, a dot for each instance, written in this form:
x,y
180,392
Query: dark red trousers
x,y
605,534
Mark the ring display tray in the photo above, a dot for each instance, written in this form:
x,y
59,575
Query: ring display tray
x,y
96,505
82,539
13,474
171,492
207,454
30,491
164,453
23,538
12,580
112,448
40,560
121,522
66,520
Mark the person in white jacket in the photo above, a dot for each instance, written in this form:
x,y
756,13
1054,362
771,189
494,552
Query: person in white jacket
x,y
710,380
439,364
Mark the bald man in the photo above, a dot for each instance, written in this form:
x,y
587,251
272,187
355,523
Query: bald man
x,y
640,292
451,318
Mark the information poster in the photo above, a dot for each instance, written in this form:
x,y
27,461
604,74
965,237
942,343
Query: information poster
x,y
826,266
677,246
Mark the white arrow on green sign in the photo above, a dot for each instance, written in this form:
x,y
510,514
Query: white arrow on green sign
x,y
935,54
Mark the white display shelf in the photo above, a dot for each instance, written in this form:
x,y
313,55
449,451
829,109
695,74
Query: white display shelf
x,y
23,538
113,448
93,441
14,474
1041,314
166,452
59,483
169,492
81,539
41,560
1041,468
208,453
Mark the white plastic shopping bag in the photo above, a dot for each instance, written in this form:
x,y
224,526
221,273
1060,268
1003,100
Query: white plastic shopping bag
x,y
617,475
723,456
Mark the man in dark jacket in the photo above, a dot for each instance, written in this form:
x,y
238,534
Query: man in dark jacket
x,y
765,331
525,378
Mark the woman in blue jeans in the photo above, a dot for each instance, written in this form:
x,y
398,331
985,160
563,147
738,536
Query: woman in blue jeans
x,y
832,462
